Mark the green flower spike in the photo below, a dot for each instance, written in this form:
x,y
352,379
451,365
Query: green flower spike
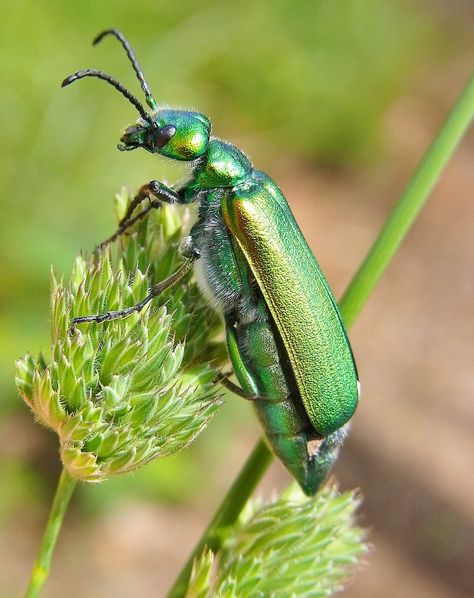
x,y
295,546
122,393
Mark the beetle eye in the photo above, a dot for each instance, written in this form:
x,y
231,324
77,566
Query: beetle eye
x,y
163,135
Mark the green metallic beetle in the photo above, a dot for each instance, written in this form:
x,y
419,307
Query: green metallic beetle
x,y
285,336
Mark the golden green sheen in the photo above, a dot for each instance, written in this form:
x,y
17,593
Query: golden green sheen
x,y
299,300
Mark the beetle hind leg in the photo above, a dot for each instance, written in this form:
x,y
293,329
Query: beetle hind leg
x,y
234,388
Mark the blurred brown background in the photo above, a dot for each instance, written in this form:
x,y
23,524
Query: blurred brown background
x,y
336,100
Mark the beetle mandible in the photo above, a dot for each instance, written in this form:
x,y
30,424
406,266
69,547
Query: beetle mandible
x,y
285,336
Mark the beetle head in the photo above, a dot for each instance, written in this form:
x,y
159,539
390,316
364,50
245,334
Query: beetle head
x,y
177,134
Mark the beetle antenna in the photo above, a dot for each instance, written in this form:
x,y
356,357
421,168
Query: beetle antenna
x,y
150,100
108,79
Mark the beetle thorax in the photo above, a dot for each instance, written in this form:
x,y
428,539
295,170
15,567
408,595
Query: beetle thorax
x,y
223,165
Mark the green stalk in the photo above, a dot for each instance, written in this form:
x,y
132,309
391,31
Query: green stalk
x,y
396,227
40,571
225,516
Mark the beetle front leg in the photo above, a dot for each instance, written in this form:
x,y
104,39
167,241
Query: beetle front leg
x,y
157,193
128,224
152,190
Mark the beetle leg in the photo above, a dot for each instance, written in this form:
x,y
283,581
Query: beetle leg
x,y
156,290
155,191
249,388
142,194
234,388
128,224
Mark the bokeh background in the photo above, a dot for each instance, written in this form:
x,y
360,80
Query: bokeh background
x,y
336,100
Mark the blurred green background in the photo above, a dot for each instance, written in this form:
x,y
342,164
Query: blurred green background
x,y
312,90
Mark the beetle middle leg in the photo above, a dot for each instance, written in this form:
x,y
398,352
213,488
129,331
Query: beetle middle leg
x,y
156,290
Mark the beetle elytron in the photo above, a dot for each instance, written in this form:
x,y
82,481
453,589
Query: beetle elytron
x,y
285,335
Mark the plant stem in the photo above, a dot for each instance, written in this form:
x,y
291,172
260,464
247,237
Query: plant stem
x,y
40,571
244,484
396,227
409,204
